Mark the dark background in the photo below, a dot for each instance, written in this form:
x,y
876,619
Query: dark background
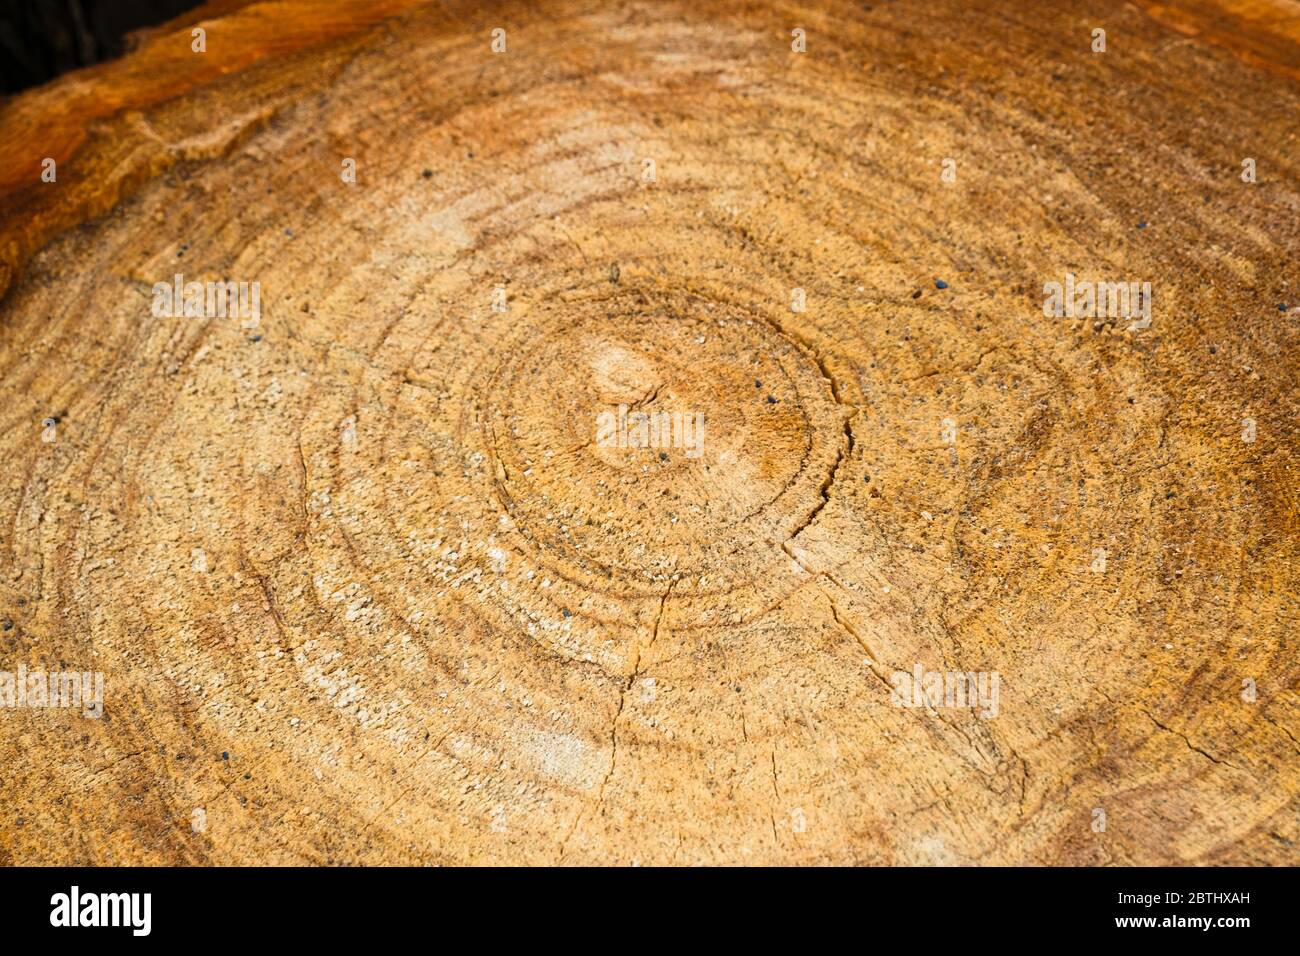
x,y
39,39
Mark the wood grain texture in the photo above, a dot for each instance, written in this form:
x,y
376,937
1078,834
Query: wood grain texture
x,y
365,588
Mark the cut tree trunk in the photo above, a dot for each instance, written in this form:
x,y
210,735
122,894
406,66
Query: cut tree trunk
x,y
371,578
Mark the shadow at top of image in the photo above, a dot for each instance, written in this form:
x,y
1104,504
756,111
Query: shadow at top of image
x,y
41,39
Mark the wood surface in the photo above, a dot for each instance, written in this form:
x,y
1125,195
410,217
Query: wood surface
x,y
365,588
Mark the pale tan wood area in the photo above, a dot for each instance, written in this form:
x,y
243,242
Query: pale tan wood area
x,y
363,583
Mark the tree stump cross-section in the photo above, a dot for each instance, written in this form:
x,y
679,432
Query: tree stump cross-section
x,y
646,436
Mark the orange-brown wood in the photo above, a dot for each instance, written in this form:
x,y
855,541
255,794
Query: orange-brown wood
x,y
365,583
